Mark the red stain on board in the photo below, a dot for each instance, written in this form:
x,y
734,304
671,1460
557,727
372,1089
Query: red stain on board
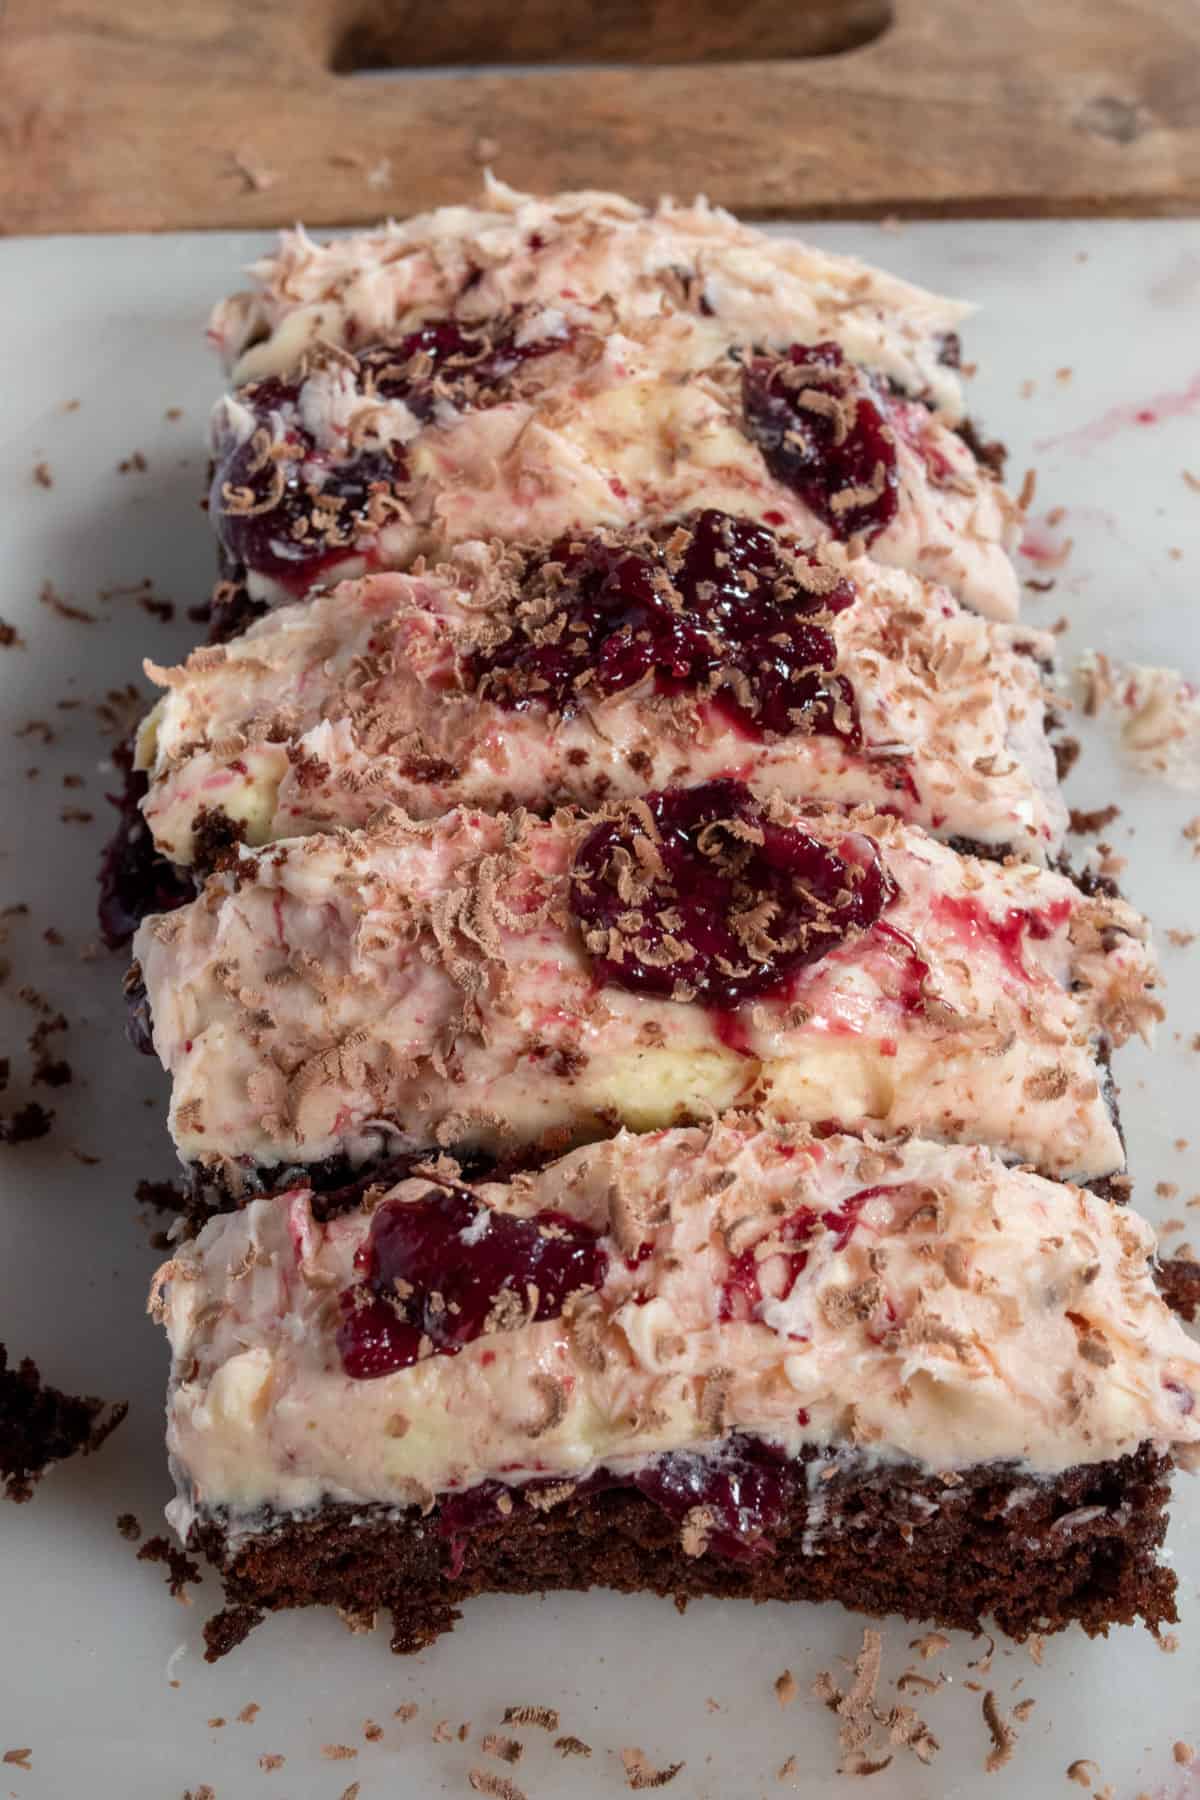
x,y
1044,546
1154,411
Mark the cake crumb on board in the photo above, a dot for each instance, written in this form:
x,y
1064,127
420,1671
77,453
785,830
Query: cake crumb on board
x,y
639,1774
497,1787
545,1717
786,1688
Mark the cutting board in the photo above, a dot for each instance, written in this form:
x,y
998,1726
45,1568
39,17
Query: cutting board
x,y
126,115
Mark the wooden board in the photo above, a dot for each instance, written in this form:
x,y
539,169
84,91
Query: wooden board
x,y
119,115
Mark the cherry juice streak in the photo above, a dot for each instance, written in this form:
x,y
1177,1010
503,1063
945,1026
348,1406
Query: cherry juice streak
x,y
441,1271
823,431
742,1293
713,604
287,508
697,894
1005,933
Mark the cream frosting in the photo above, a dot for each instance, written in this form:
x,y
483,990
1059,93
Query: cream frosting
x,y
588,247
631,419
411,984
321,712
971,1313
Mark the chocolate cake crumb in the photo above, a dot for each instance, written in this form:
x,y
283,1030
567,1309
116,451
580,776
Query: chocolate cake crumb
x,y
203,1792
42,476
406,1711
27,1123
133,464
129,1528
180,1567
640,1776
1182,1752
164,1196
271,1760
352,1792
787,1770
1086,824
509,1750
1178,1280
786,1688
40,1425
21,1759
442,1732
338,1752
10,637
1082,1771
372,1731
249,1713
545,1717
931,1644
1067,751
50,598
572,1746
498,1786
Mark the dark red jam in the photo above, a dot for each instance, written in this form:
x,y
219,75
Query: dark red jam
x,y
699,894
742,1293
712,605
285,507
441,1271
823,431
745,1488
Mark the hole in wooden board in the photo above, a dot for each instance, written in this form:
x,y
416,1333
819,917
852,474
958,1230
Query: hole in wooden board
x,y
372,35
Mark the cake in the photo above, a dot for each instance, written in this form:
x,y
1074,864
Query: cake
x,y
513,984
597,667
702,1361
640,1059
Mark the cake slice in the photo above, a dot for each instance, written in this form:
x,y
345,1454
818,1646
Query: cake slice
x,y
590,248
729,1361
514,985
597,667
529,424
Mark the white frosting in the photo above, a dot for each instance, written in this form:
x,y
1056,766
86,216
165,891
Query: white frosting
x,y
587,247
973,1314
321,712
428,983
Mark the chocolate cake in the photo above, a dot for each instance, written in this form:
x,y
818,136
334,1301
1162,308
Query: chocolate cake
x,y
40,1425
642,1069
724,1361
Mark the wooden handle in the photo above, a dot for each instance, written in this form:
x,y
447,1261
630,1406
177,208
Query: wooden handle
x,y
127,115
405,34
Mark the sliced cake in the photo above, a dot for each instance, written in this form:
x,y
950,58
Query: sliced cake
x,y
721,1361
598,667
563,418
512,984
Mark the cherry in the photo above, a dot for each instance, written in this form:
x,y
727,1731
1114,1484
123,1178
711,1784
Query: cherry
x,y
823,430
441,1271
286,507
712,605
698,893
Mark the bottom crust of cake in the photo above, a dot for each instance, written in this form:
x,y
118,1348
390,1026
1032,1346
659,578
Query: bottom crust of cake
x,y
994,1545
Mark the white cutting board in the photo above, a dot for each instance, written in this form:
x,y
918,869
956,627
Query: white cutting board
x,y
90,1641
